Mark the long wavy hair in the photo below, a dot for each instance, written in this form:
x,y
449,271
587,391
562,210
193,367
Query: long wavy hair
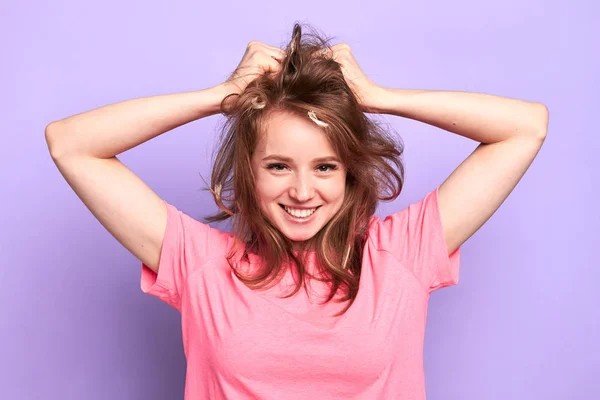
x,y
309,81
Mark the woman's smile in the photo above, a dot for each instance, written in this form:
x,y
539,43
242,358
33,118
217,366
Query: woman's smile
x,y
299,215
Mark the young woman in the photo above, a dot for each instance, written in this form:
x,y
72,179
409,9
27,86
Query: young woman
x,y
300,170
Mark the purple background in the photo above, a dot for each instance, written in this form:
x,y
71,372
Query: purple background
x,y
523,323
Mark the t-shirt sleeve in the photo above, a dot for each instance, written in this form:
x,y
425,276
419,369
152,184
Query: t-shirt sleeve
x,y
187,245
414,236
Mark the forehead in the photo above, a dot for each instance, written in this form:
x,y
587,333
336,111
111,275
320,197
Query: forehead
x,y
289,134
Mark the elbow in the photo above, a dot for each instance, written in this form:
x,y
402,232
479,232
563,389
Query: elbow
x,y
52,133
51,129
542,116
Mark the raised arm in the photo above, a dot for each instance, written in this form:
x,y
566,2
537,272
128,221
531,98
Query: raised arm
x,y
110,130
84,148
511,132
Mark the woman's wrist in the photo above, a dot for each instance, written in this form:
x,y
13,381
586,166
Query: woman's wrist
x,y
211,99
380,100
393,101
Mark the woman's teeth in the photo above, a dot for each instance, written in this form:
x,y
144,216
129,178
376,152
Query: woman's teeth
x,y
299,213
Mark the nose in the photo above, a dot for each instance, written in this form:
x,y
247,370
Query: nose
x,y
302,189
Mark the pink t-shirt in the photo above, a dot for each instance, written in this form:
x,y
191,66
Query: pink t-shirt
x,y
245,344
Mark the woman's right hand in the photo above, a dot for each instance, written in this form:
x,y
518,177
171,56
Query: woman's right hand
x,y
259,58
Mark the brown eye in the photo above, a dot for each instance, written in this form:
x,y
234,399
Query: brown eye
x,y
326,167
276,167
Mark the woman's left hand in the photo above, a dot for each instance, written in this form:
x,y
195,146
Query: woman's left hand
x,y
367,92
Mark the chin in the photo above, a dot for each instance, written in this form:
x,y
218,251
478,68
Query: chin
x,y
296,234
295,237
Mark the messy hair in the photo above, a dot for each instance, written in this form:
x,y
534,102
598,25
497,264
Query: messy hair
x,y
310,84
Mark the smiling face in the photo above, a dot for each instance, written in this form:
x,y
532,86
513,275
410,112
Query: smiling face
x,y
299,180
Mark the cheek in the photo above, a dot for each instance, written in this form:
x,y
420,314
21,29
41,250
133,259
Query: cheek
x,y
334,190
268,189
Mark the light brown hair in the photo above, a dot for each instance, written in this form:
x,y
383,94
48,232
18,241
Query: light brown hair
x,y
309,80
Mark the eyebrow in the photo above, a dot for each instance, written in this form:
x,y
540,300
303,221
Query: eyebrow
x,y
277,157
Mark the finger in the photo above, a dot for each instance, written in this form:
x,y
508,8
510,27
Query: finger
x,y
264,63
275,52
339,46
273,65
274,48
338,49
265,48
325,52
